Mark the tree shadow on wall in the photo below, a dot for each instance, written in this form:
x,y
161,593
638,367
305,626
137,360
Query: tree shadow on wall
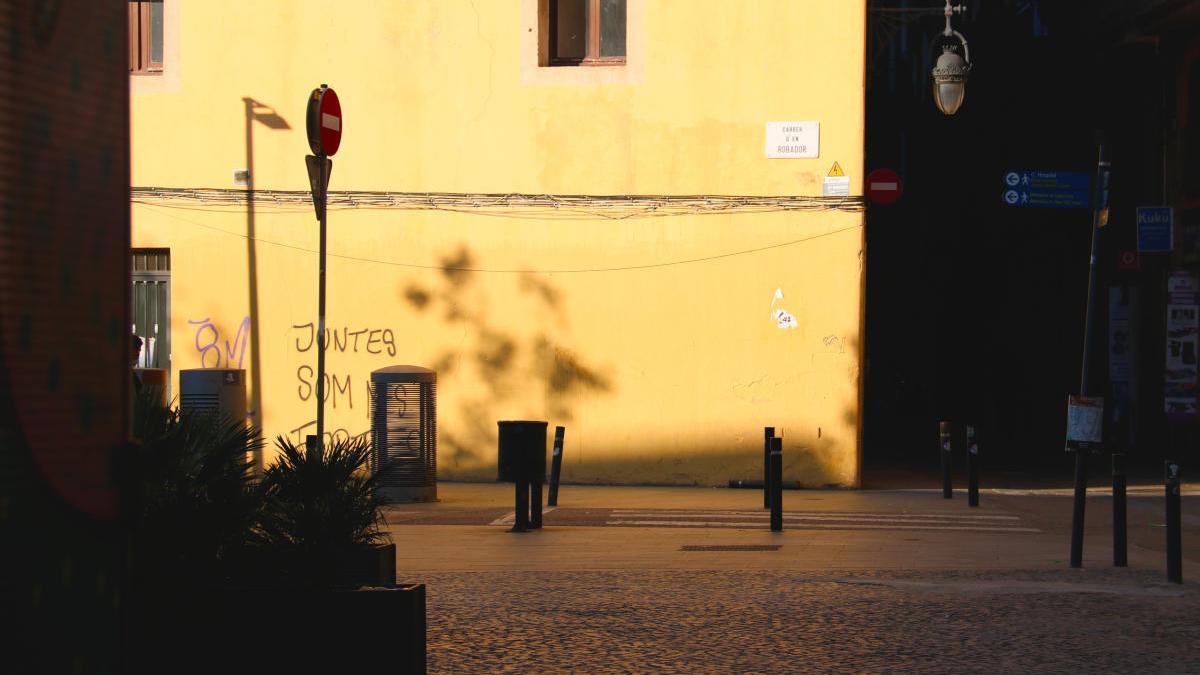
x,y
502,360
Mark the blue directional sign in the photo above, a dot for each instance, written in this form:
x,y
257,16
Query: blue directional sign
x,y
1048,189
1154,229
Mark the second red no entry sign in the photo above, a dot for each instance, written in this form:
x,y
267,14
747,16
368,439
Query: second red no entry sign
x,y
883,186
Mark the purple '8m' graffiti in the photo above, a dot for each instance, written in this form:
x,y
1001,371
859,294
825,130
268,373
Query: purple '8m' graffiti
x,y
208,337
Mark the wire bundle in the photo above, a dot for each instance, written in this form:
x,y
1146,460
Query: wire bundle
x,y
616,207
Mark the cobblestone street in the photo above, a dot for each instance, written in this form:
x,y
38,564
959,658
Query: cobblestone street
x,y
691,580
780,622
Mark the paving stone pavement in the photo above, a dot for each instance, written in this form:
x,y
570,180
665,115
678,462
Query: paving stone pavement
x,y
778,621
858,581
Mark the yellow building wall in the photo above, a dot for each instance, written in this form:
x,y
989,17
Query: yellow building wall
x,y
652,339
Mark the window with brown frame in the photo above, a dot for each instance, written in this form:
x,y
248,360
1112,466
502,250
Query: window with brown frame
x,y
145,36
586,32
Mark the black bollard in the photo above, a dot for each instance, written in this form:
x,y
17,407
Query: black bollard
x,y
1174,540
1120,538
768,434
555,466
945,444
521,510
972,468
1079,502
776,484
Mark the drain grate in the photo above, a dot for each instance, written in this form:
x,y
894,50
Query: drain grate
x,y
733,547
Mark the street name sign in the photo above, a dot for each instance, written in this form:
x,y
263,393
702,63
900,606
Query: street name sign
x,y
1048,189
1154,227
793,140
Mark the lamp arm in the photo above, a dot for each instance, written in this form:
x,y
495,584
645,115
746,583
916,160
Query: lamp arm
x,y
966,50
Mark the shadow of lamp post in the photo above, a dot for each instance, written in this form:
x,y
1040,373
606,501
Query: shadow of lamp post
x,y
264,114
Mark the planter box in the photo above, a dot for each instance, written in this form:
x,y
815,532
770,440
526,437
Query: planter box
x,y
371,630
371,566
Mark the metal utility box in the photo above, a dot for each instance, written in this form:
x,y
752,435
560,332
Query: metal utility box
x,y
404,432
218,391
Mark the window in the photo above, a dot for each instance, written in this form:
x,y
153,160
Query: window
x,y
146,36
586,32
151,303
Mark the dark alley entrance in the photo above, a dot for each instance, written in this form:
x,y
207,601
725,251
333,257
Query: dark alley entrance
x,y
975,308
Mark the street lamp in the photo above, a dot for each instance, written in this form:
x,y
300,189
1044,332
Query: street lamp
x,y
951,70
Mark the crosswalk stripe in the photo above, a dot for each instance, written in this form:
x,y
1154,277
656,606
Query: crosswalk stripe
x,y
804,517
854,514
510,518
823,526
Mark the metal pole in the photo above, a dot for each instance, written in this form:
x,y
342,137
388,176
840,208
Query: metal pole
x,y
555,466
946,444
1099,218
768,434
1174,540
1120,538
535,501
321,311
776,484
972,468
1079,504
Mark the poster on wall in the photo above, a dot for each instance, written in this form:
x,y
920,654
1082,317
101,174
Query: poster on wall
x,y
1183,343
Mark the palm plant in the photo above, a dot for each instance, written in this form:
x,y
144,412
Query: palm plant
x,y
319,505
196,500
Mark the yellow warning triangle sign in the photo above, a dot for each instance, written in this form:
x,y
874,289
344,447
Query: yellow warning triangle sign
x,y
836,170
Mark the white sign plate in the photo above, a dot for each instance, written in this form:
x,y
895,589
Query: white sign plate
x,y
836,186
1085,419
793,140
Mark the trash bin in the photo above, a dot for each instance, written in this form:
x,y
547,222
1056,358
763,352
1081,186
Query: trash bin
x,y
522,460
522,452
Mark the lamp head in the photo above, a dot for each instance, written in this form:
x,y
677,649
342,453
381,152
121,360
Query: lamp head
x,y
950,80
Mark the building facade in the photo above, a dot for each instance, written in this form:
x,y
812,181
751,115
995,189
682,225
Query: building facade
x,y
623,217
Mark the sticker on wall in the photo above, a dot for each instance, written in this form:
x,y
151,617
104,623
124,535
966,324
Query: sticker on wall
x,y
782,318
837,183
793,140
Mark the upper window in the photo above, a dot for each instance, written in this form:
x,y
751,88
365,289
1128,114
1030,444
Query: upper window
x,y
145,36
587,32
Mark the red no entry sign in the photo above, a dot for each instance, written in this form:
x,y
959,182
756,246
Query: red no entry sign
x,y
324,121
883,186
